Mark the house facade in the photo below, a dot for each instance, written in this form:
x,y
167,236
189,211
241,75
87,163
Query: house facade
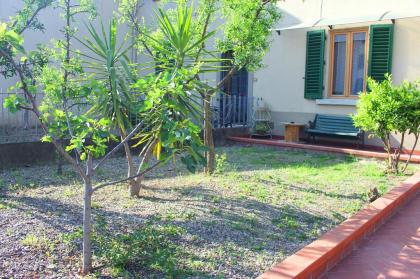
x,y
322,53
323,50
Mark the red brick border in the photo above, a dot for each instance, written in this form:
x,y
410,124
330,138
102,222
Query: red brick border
x,y
343,150
314,260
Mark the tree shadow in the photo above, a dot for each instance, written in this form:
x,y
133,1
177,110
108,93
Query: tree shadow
x,y
215,224
220,226
240,159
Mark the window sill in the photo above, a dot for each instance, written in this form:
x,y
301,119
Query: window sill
x,y
337,102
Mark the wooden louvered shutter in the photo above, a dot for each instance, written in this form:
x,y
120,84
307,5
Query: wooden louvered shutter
x,y
380,51
314,73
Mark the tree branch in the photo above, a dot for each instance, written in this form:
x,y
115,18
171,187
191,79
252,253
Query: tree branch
x,y
227,77
411,153
115,149
37,113
234,69
134,21
100,186
29,22
146,152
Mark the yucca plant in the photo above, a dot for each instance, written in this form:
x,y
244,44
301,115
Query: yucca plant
x,y
111,67
174,116
181,42
114,72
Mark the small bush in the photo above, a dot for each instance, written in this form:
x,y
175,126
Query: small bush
x,y
387,110
221,163
149,248
39,243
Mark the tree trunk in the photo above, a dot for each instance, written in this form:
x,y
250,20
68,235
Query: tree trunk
x,y
398,154
59,164
208,136
388,149
411,153
87,220
133,186
147,154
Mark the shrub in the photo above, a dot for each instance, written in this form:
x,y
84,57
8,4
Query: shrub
x,y
263,127
387,110
149,248
221,163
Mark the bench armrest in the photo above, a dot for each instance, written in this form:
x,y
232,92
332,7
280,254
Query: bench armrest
x,y
311,124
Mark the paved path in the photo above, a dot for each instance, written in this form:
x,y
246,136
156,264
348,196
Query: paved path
x,y
391,252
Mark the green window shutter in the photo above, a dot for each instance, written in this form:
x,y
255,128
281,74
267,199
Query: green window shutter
x,y
380,51
314,72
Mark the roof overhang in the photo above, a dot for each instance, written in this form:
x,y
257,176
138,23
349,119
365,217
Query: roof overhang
x,y
322,22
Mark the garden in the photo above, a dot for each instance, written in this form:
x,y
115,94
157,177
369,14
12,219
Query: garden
x,y
139,189
261,205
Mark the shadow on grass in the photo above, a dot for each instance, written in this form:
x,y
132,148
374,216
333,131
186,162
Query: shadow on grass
x,y
354,196
220,230
239,159
217,234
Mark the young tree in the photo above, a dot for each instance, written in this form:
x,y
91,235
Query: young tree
x,y
387,110
114,70
247,35
70,65
89,134
245,31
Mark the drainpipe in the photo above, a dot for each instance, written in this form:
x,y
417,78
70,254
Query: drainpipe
x,y
321,9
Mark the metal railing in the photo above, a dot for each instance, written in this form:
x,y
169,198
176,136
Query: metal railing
x,y
21,126
232,111
228,111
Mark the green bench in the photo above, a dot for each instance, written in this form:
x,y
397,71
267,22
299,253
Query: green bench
x,y
334,126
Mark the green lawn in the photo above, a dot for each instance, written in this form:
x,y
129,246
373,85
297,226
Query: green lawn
x,y
262,205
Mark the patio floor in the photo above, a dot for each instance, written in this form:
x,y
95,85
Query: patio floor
x,y
391,252
335,147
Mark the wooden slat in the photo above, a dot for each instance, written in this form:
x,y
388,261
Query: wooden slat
x,y
314,72
380,51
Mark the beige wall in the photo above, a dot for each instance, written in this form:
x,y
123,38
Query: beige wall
x,y
53,23
281,82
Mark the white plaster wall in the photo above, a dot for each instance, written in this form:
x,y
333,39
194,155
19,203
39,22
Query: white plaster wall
x,y
281,82
53,23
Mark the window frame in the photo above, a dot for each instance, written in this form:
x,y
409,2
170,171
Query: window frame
x,y
349,32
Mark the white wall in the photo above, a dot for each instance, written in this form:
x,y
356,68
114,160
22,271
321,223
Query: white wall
x,y
281,82
299,11
54,23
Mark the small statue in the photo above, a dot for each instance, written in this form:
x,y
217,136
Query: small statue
x,y
373,194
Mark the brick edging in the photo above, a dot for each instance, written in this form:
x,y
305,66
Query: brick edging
x,y
323,254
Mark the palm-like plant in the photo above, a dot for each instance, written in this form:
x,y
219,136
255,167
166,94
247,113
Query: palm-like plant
x,y
182,42
113,71
187,47
112,68
171,122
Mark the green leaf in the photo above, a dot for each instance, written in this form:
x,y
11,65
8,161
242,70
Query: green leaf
x,y
13,103
46,138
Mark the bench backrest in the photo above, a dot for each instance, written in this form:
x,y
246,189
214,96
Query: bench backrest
x,y
333,123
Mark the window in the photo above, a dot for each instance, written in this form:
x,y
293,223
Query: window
x,y
348,62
